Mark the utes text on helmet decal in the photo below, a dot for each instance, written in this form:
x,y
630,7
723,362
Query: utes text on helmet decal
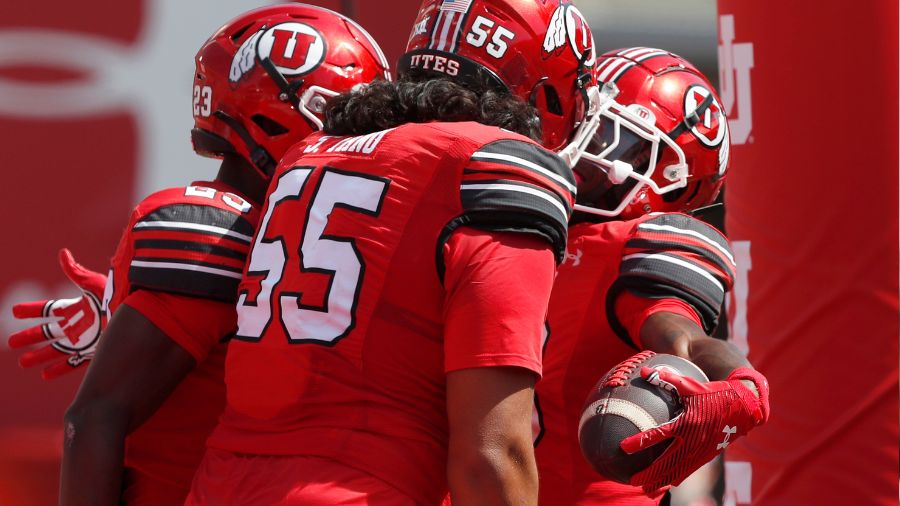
x,y
569,28
444,64
295,49
711,129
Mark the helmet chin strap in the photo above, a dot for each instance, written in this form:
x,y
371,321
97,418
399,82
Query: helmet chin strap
x,y
258,155
288,89
583,80
289,93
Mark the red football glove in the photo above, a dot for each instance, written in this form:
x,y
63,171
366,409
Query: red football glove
x,y
715,414
74,333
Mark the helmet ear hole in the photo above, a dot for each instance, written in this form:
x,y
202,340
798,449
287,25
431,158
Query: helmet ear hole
x,y
271,127
554,106
675,195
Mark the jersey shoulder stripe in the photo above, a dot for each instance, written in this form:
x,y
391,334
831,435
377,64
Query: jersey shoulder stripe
x,y
200,219
513,185
505,194
676,256
687,235
532,161
190,249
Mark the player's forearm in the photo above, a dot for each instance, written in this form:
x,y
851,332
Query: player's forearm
x,y
715,357
500,476
93,456
677,335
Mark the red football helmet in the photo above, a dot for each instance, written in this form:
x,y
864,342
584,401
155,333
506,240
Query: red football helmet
x,y
662,144
262,79
541,51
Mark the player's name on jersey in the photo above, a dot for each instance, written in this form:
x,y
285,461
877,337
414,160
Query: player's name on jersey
x,y
363,144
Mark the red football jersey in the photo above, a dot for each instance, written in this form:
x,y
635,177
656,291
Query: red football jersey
x,y
616,274
358,297
179,262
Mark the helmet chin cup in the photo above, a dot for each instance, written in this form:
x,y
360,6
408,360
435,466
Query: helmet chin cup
x,y
619,172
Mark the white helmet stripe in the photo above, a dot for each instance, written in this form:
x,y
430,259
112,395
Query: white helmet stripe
x,y
445,30
456,32
606,63
435,30
637,51
614,67
651,55
621,71
641,53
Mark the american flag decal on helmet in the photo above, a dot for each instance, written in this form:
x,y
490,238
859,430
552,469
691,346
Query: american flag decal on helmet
x,y
456,5
448,27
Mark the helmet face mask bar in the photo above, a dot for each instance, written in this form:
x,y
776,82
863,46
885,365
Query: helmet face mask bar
x,y
627,151
310,104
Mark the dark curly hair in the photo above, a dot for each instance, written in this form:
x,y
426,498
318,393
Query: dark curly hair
x,y
420,98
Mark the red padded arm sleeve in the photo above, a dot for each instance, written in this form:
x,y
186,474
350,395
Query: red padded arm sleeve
x,y
632,311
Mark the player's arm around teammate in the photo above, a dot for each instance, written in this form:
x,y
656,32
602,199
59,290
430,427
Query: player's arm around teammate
x,y
115,398
163,325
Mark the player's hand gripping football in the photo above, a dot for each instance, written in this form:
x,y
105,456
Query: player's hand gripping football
x,y
715,414
73,336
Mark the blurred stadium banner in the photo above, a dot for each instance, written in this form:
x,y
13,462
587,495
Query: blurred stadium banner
x,y
812,197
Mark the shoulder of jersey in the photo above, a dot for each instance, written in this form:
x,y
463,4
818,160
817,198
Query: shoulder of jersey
x,y
191,241
508,176
675,255
299,149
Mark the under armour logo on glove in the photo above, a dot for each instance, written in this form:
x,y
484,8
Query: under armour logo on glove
x,y
76,327
728,432
694,433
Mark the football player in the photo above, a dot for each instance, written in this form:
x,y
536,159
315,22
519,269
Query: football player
x,y
639,275
135,432
391,315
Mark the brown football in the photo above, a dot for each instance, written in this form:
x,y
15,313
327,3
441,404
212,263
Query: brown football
x,y
622,404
